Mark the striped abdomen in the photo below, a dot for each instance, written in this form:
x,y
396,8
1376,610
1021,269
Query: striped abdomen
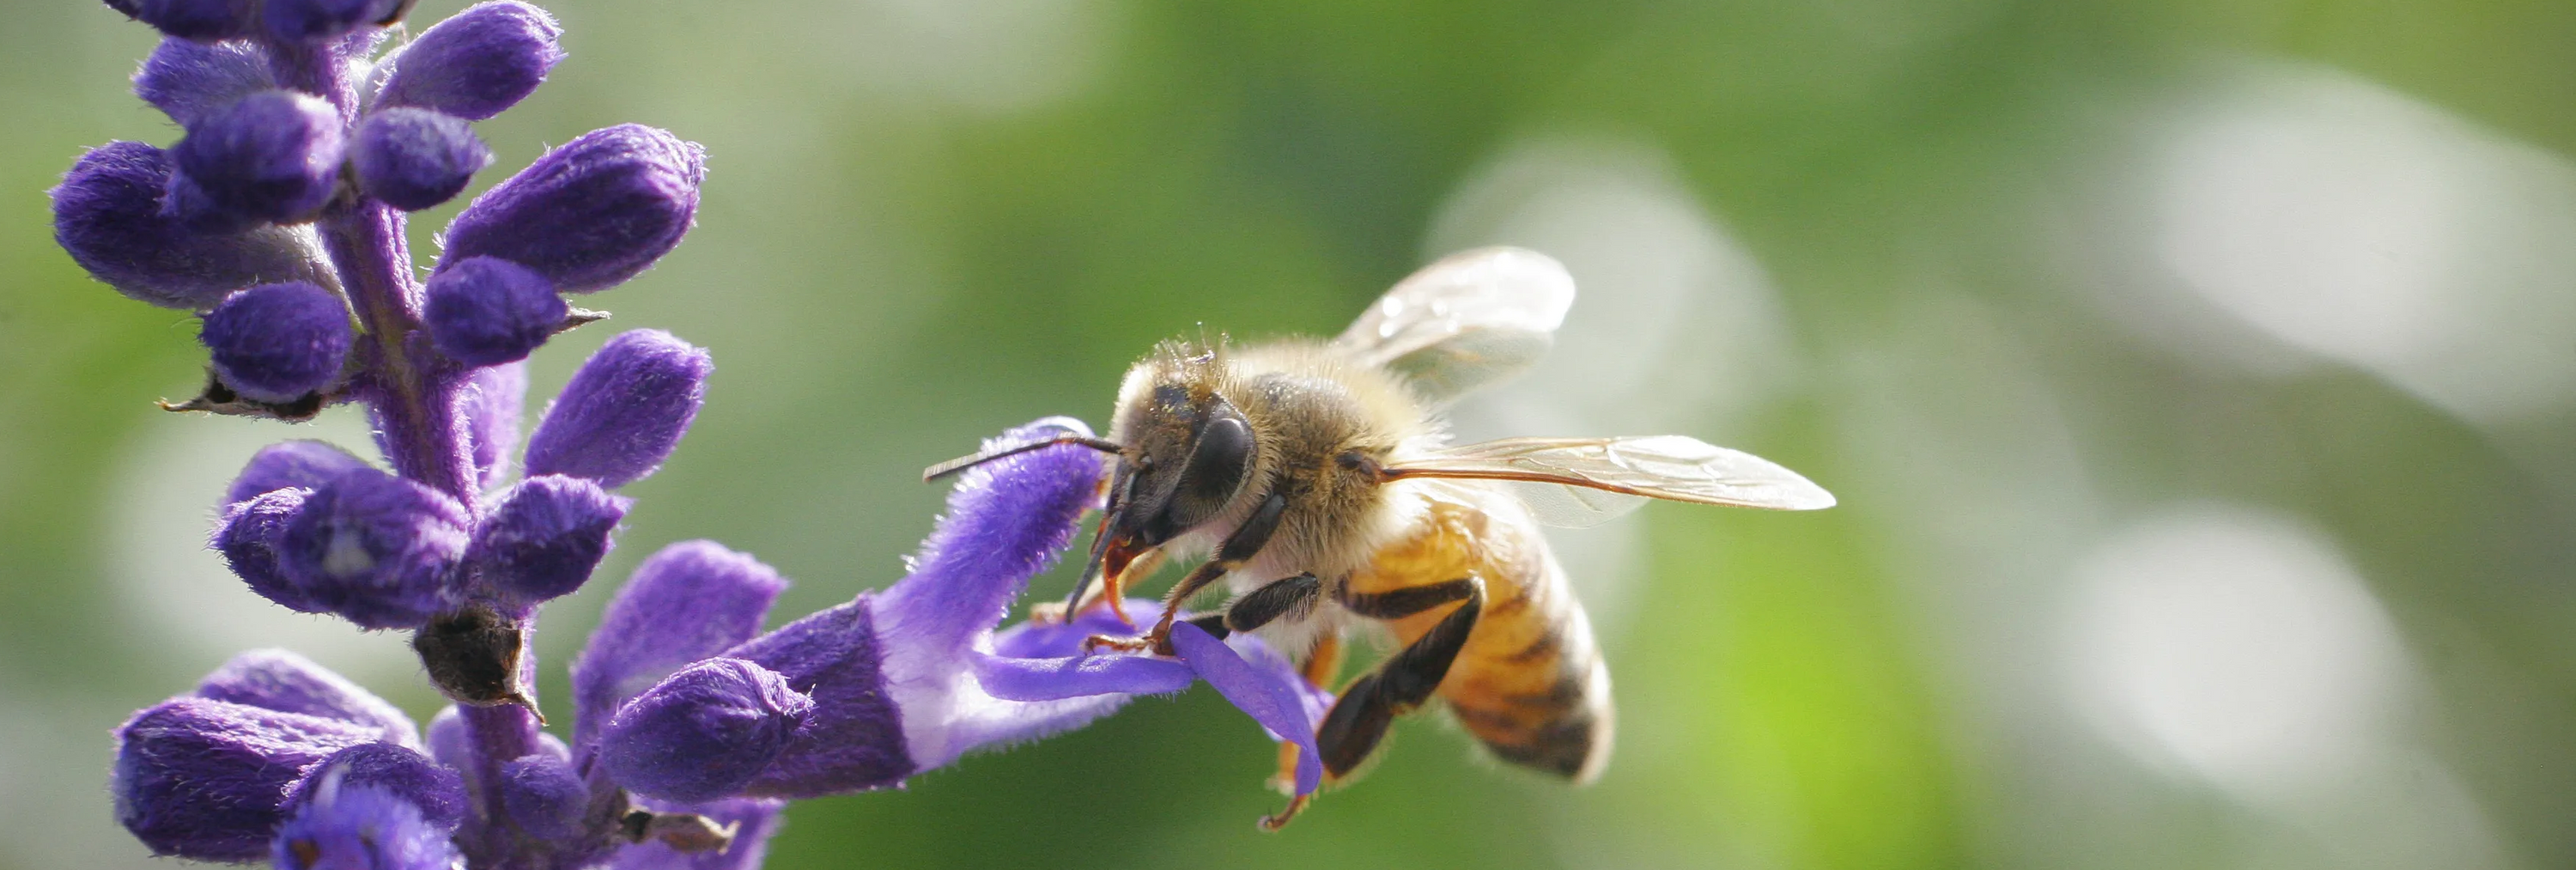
x,y
1530,684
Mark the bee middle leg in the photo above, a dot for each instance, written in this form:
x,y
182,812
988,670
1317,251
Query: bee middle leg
x,y
1359,719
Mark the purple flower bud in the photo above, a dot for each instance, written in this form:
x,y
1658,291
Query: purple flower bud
x,y
187,79
854,737
351,826
278,342
415,158
205,779
274,679
624,411
589,214
448,743
248,535
493,398
690,601
287,464
374,548
703,733
543,539
195,19
305,20
544,797
437,792
273,155
487,311
477,62
108,215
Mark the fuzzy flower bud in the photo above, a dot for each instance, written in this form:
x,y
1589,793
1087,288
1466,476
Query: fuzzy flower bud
x,y
437,792
415,158
376,549
248,535
624,411
108,215
692,600
494,396
274,679
544,538
193,19
277,342
543,796
286,464
205,779
477,62
487,311
188,80
305,20
703,733
590,214
273,155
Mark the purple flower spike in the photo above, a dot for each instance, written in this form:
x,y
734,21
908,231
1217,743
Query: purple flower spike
x,y
544,538
204,779
278,342
286,464
108,216
194,19
436,791
306,20
692,600
477,62
187,79
487,311
273,155
544,797
376,549
624,410
590,214
274,679
703,733
248,536
349,826
1274,696
415,158
494,396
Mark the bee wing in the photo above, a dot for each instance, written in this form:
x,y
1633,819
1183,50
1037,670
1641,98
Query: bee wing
x,y
1674,467
1470,319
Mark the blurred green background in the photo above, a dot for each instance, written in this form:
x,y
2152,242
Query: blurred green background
x,y
2198,378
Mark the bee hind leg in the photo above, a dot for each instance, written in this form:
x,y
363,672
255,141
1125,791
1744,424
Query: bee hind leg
x,y
1359,719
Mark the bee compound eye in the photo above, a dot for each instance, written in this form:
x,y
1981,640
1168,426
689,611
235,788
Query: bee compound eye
x,y
1219,461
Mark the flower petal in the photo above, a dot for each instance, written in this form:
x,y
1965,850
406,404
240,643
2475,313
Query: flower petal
x,y
351,826
1273,694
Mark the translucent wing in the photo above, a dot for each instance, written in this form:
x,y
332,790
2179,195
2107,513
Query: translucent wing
x,y
1672,467
1470,319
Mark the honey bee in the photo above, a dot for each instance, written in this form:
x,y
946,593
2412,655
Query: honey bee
x,y
1317,480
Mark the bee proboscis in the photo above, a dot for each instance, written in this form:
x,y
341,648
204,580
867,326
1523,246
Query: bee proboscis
x,y
1318,483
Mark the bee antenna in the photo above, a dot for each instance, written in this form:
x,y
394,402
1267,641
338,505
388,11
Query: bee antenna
x,y
980,457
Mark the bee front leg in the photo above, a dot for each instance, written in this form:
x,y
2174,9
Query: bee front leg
x,y
1359,719
1238,548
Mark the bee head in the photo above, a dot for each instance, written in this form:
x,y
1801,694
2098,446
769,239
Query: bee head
x,y
1188,460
